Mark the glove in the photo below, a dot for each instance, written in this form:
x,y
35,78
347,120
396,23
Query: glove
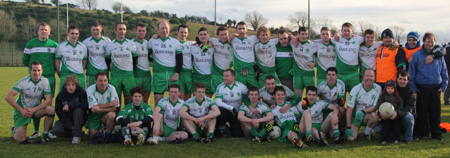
x,y
296,128
305,104
269,127
437,51
348,132
359,116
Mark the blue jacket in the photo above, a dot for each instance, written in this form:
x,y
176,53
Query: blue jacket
x,y
431,75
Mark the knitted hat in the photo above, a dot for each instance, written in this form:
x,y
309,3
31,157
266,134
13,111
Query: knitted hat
x,y
386,33
391,83
414,35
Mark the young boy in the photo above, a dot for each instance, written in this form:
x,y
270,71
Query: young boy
x,y
200,112
135,118
256,117
287,120
390,124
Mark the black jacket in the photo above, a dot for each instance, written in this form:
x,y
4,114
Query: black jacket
x,y
409,100
77,99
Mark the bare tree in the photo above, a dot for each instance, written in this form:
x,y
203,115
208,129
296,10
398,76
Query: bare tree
x,y
29,28
320,22
116,7
88,4
7,26
299,19
255,19
364,25
62,29
398,32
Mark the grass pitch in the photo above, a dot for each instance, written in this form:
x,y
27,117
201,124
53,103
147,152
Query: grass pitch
x,y
221,147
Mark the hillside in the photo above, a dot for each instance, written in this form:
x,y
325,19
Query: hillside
x,y
27,16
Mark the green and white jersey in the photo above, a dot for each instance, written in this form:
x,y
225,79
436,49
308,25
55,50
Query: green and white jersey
x,y
347,54
143,65
95,97
361,99
268,97
303,54
30,92
121,54
44,52
315,109
164,53
202,61
331,94
199,109
96,55
326,58
284,61
71,57
368,55
170,111
243,54
260,106
231,95
222,56
132,114
187,55
289,115
265,55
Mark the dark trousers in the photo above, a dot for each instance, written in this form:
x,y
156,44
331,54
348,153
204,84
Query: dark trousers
x,y
79,118
428,111
235,124
389,126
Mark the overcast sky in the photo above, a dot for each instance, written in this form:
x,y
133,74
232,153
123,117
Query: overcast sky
x,y
412,15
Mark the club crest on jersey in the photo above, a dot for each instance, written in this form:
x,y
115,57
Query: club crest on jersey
x,y
170,46
353,42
